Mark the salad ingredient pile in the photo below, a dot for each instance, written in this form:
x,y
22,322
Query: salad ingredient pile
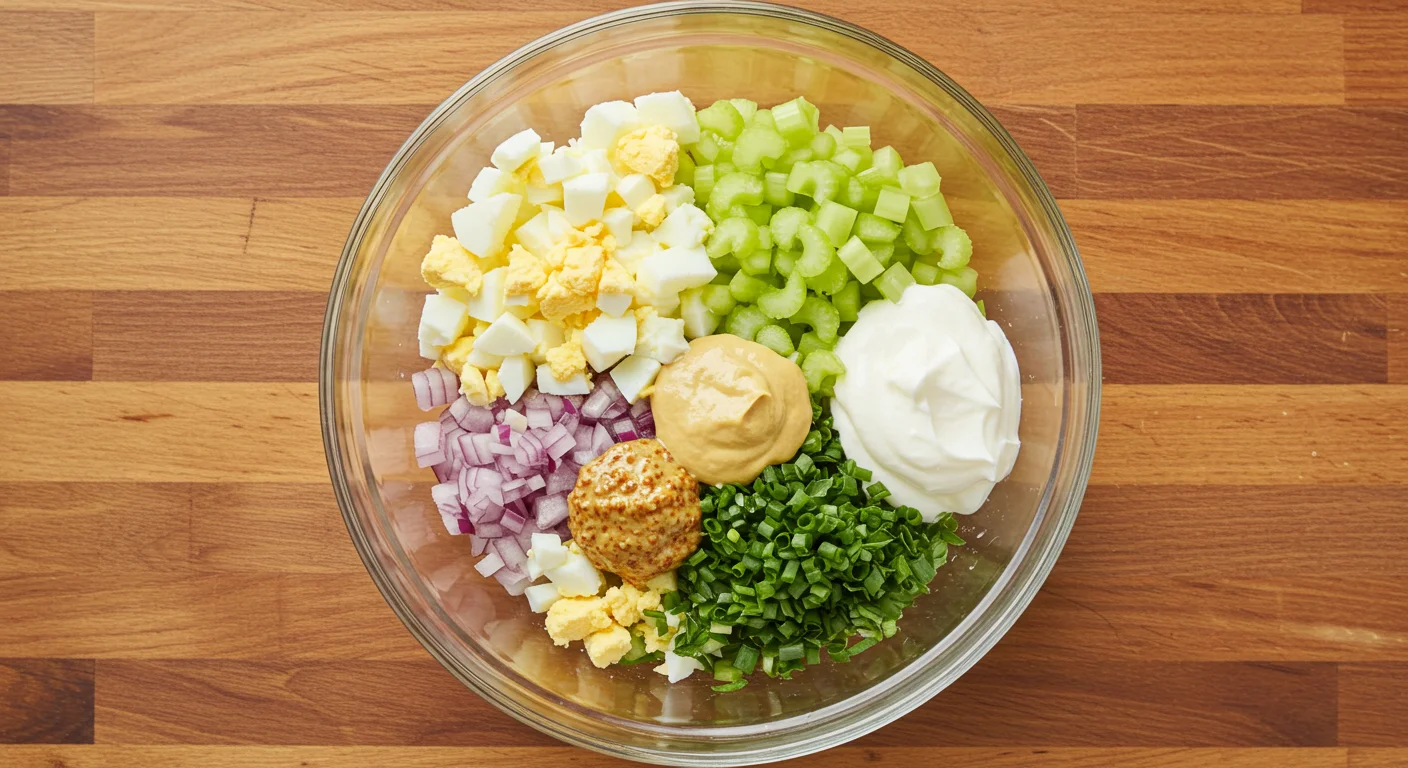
x,y
729,407
716,385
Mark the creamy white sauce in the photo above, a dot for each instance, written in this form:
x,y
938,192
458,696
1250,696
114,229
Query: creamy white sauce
x,y
930,400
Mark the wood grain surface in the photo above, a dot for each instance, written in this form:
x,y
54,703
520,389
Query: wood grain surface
x,y
176,587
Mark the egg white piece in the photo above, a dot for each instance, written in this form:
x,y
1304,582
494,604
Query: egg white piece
x,y
516,150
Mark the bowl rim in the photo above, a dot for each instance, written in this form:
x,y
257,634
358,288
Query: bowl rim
x,y
1078,300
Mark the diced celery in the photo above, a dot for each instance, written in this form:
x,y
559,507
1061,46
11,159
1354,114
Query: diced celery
x,y
836,134
818,179
856,136
925,274
746,289
726,264
744,321
873,178
775,192
918,240
836,221
785,224
847,301
703,181
792,158
823,146
706,150
757,147
718,299
819,366
763,119
794,332
737,236
873,229
859,261
746,109
722,278
903,255
794,121
956,246
685,173
775,337
894,205
756,263
784,302
893,282
821,317
734,189
886,163
831,279
817,251
810,343
869,293
932,212
765,234
883,252
722,118
783,261
982,308
849,159
964,279
723,166
761,213
919,180
854,194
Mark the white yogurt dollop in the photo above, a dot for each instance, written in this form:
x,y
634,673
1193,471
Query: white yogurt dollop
x,y
930,400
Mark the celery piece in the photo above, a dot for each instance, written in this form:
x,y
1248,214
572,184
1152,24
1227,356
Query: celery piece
x,y
706,150
685,173
726,265
831,279
722,118
758,147
785,224
783,261
886,164
810,343
746,109
873,178
801,180
718,299
817,251
932,212
761,213
893,281
723,167
894,205
836,134
737,236
775,192
859,261
763,119
925,274
823,146
775,337
765,234
919,180
759,262
918,240
847,301
956,246
964,279
744,321
792,158
883,252
982,308
794,121
836,221
821,317
820,365
849,159
869,293
873,229
903,255
784,302
703,181
829,180
746,289
854,193
734,189
856,136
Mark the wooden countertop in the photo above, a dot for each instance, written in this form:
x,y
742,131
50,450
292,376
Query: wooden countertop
x,y
177,178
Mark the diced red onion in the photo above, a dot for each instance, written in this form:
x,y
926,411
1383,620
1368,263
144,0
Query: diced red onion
x,y
471,418
514,489
446,497
515,586
550,510
640,406
434,387
445,471
536,483
582,457
646,430
616,411
512,554
477,545
555,406
528,450
601,440
539,418
512,521
572,404
490,565
562,480
596,404
504,433
490,531
608,385
430,448
509,466
456,525
624,430
570,421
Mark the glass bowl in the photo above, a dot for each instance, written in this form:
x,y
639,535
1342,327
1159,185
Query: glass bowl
x,y
1031,280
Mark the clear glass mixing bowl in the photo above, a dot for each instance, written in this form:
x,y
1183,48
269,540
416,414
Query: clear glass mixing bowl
x,y
1032,282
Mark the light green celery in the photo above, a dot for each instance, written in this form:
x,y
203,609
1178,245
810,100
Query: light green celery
x,y
918,240
835,220
737,236
775,337
706,150
783,261
758,147
784,302
964,279
873,229
856,136
847,301
810,343
883,252
982,308
819,315
925,274
873,178
703,181
744,321
761,213
763,119
852,159
794,121
817,251
893,282
857,195
725,150
718,298
818,179
932,212
818,367
726,264
759,262
722,118
785,224
823,146
734,189
903,255
722,278
685,173
832,279
955,245
859,260
765,233
792,158
746,289
723,167
775,192
919,180
894,205
746,109
836,134
886,163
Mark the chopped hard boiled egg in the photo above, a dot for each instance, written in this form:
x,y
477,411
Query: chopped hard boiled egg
x,y
560,166
541,597
660,338
608,339
576,576
442,320
634,374
685,227
482,227
672,110
605,122
488,304
506,336
517,150
584,197
675,269
515,376
635,189
619,222
449,265
549,384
